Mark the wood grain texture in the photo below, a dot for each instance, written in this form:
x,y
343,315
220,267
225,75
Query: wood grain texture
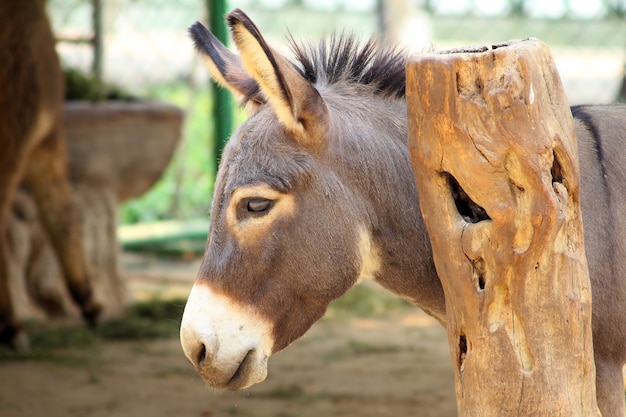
x,y
494,151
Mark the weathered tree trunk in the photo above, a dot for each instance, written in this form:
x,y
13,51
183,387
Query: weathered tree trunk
x,y
493,145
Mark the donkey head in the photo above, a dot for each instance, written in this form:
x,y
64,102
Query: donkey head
x,y
285,237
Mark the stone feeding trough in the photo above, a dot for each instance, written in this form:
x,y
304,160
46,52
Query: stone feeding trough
x,y
117,151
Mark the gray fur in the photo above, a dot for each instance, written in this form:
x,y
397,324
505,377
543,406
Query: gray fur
x,y
363,177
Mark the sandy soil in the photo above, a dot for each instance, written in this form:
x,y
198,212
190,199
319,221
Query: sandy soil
x,y
397,365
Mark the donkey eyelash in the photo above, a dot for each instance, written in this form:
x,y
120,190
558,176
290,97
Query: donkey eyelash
x,y
259,205
254,207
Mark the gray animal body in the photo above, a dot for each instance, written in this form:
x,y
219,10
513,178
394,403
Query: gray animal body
x,y
316,192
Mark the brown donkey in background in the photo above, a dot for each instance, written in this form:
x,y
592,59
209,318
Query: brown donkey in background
x,y
33,151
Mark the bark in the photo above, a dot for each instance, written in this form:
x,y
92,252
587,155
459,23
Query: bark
x,y
494,151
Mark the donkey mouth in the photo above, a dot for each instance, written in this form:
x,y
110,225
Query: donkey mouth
x,y
228,344
242,376
251,370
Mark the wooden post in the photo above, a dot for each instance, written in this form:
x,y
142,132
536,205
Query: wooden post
x,y
494,150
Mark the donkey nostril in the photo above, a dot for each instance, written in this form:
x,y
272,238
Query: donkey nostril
x,y
201,355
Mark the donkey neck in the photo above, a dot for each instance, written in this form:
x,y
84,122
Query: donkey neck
x,y
369,151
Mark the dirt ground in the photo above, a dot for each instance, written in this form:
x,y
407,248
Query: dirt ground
x,y
394,365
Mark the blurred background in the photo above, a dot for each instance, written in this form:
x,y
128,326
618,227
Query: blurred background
x,y
142,47
372,355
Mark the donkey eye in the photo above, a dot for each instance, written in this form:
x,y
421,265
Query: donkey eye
x,y
258,205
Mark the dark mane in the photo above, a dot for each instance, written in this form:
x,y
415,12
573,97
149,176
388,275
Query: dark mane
x,y
342,58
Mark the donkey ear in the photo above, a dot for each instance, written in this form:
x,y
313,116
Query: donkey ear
x,y
224,66
296,102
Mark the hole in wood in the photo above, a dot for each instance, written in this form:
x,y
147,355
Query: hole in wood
x,y
462,350
478,273
467,208
556,171
469,87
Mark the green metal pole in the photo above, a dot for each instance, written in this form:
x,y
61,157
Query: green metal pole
x,y
222,105
97,41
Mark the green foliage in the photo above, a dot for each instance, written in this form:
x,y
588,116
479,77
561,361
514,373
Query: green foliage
x,y
354,348
365,301
61,337
80,86
142,321
147,320
282,392
178,248
185,189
